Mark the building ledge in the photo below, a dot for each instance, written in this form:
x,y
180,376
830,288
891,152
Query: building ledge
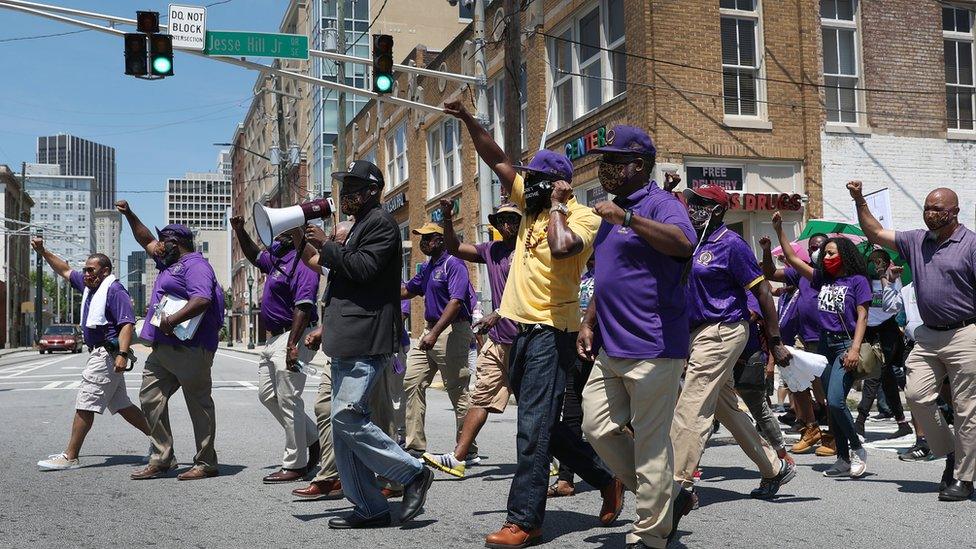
x,y
845,129
961,135
747,123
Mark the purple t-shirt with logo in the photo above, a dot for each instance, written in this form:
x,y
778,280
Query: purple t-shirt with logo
x,y
118,311
191,276
440,281
281,293
640,307
722,272
837,301
497,257
805,308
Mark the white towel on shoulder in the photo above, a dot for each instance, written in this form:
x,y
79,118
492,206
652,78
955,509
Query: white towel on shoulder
x,y
96,309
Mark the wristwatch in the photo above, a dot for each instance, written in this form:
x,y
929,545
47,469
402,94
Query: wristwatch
x,y
559,207
628,218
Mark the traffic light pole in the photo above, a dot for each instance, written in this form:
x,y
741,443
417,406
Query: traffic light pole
x,y
339,158
39,293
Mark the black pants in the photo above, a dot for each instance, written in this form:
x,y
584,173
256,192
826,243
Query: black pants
x,y
893,347
539,361
573,407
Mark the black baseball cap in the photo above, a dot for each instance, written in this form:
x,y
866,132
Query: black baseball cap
x,y
361,173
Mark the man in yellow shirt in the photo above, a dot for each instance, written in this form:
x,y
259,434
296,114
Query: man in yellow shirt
x,y
541,297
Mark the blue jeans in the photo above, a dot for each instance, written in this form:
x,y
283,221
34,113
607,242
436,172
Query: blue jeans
x,y
539,360
363,450
837,384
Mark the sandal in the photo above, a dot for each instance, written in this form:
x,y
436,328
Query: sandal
x,y
556,492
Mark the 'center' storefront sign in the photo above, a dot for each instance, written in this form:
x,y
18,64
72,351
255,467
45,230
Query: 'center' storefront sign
x,y
578,147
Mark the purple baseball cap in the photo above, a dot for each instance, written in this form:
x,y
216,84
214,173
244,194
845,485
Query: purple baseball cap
x,y
627,140
181,232
550,164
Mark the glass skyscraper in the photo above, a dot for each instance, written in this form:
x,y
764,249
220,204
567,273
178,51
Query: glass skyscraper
x,y
325,103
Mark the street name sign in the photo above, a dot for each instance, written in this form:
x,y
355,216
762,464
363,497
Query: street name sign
x,y
188,26
256,44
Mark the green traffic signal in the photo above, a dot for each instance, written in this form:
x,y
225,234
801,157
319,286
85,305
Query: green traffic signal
x,y
162,65
384,83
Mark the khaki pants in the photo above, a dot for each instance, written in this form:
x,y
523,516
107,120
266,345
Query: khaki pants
x,y
168,368
708,394
449,356
938,355
380,405
641,393
280,390
492,388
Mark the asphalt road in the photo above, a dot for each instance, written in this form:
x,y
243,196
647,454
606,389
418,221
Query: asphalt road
x,y
98,506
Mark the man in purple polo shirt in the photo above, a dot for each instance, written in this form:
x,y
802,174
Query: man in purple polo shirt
x,y
807,313
107,323
491,390
943,263
444,282
636,330
723,268
176,363
288,312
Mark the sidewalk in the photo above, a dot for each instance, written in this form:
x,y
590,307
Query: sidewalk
x,y
5,352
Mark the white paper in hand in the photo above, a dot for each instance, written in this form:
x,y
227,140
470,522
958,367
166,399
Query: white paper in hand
x,y
170,305
803,369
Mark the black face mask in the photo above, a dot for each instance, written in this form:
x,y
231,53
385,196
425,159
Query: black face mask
x,y
171,255
538,194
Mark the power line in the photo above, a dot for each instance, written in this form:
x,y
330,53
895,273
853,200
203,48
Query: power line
x,y
136,113
37,36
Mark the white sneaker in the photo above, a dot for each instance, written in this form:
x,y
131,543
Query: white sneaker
x,y
859,463
59,462
840,468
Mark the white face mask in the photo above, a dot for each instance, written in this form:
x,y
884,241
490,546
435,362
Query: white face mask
x,y
815,257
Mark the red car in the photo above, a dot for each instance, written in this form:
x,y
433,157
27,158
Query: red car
x,y
61,337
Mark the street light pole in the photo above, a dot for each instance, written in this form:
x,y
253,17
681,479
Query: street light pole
x,y
250,311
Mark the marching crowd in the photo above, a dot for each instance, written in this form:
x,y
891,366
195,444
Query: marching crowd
x,y
625,332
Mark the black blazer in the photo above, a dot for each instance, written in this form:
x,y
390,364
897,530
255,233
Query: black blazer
x,y
362,300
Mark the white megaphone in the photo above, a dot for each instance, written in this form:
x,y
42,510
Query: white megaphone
x,y
270,222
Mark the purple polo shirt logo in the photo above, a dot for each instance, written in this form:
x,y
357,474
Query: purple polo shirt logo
x,y
177,269
705,258
439,274
831,298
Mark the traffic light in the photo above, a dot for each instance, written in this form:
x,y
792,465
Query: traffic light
x,y
161,54
147,22
136,58
382,63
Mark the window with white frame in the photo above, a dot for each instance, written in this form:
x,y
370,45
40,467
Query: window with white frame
x,y
840,59
443,157
496,107
741,57
957,34
396,156
588,61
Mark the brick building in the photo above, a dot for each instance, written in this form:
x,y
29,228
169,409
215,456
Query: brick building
x,y
911,127
736,102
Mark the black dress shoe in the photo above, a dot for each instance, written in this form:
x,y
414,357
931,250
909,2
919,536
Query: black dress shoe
x,y
957,490
683,504
947,474
355,521
314,456
415,495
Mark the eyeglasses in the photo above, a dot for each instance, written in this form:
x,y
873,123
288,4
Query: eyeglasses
x,y
88,270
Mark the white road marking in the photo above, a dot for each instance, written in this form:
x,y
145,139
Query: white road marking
x,y
46,363
72,367
225,355
52,385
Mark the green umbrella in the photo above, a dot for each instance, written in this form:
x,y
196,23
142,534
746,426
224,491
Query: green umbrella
x,y
855,234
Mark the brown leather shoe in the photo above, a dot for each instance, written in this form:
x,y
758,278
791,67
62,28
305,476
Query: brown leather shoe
x,y
196,473
320,489
613,502
512,536
150,472
390,493
284,475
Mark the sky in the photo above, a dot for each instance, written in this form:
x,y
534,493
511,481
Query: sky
x,y
160,129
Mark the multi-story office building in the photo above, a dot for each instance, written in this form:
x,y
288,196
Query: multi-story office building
x,y
136,281
64,208
198,200
77,156
15,205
